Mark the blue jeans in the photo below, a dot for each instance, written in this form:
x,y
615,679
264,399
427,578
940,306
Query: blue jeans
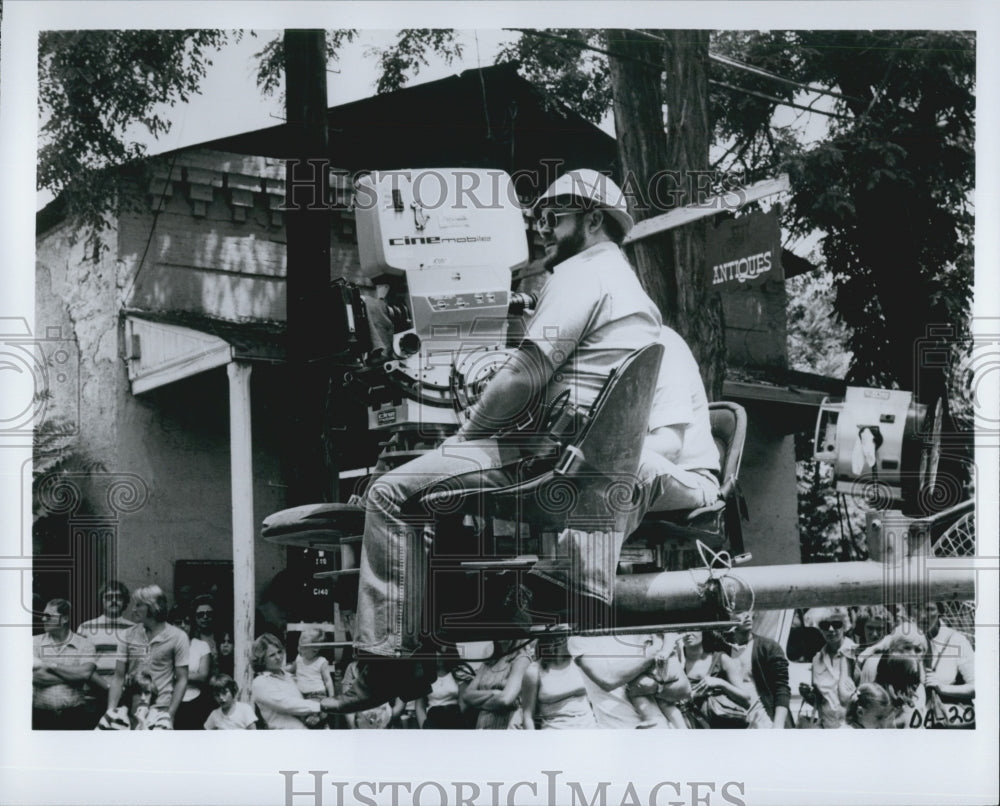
x,y
394,551
398,533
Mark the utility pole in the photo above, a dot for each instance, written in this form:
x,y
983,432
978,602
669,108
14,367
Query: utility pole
x,y
307,227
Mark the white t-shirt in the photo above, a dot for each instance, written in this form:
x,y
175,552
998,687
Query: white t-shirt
x,y
198,650
309,674
240,718
680,400
612,709
951,653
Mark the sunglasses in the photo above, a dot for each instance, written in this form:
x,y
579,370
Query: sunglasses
x,y
49,616
202,613
549,218
831,625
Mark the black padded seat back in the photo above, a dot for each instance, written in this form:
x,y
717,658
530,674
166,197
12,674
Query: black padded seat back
x,y
598,462
729,430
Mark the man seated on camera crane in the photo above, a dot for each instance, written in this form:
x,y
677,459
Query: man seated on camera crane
x,y
590,317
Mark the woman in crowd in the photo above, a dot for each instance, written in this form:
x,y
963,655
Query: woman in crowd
x,y
833,667
697,664
441,708
274,692
725,694
198,702
870,708
552,691
494,691
203,625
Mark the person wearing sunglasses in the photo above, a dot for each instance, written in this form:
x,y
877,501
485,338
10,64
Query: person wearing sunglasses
x,y
589,317
107,633
833,667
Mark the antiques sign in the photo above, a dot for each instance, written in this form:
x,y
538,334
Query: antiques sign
x,y
744,251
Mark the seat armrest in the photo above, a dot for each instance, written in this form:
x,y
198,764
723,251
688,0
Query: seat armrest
x,y
715,506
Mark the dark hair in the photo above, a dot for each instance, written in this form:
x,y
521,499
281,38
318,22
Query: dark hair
x,y
140,682
898,671
202,599
223,682
113,585
62,606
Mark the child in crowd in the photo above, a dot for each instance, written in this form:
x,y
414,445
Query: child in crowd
x,y
231,714
226,659
870,707
139,694
311,670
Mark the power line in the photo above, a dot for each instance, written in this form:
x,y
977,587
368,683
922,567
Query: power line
x,y
729,61
781,101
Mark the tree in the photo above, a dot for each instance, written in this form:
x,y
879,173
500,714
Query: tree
x,y
889,184
665,262
94,85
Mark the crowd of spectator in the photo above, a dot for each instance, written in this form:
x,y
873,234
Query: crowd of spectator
x,y
143,666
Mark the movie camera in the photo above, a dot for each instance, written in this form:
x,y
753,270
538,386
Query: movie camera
x,y
439,245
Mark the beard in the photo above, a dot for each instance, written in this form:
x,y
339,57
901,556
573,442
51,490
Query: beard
x,y
567,246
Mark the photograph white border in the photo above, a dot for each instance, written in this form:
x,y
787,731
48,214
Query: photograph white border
x,y
913,767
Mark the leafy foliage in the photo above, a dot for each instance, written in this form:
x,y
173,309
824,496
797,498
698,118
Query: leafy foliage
x,y
271,58
831,525
56,453
409,53
564,65
816,334
93,86
891,187
890,184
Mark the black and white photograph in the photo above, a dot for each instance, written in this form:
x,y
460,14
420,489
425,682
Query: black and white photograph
x,y
437,367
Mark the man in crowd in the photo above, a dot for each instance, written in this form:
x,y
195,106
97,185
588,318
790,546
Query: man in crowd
x,y
154,646
763,667
591,315
107,634
63,662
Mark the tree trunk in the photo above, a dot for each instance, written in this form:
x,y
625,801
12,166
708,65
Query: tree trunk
x,y
671,265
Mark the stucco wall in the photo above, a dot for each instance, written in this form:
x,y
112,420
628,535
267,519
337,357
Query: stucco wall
x,y
172,445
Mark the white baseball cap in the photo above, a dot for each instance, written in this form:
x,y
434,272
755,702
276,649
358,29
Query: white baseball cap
x,y
595,188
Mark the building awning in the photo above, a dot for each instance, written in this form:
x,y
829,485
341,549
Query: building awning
x,y
165,347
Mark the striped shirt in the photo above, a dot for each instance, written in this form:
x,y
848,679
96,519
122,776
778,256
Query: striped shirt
x,y
108,637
